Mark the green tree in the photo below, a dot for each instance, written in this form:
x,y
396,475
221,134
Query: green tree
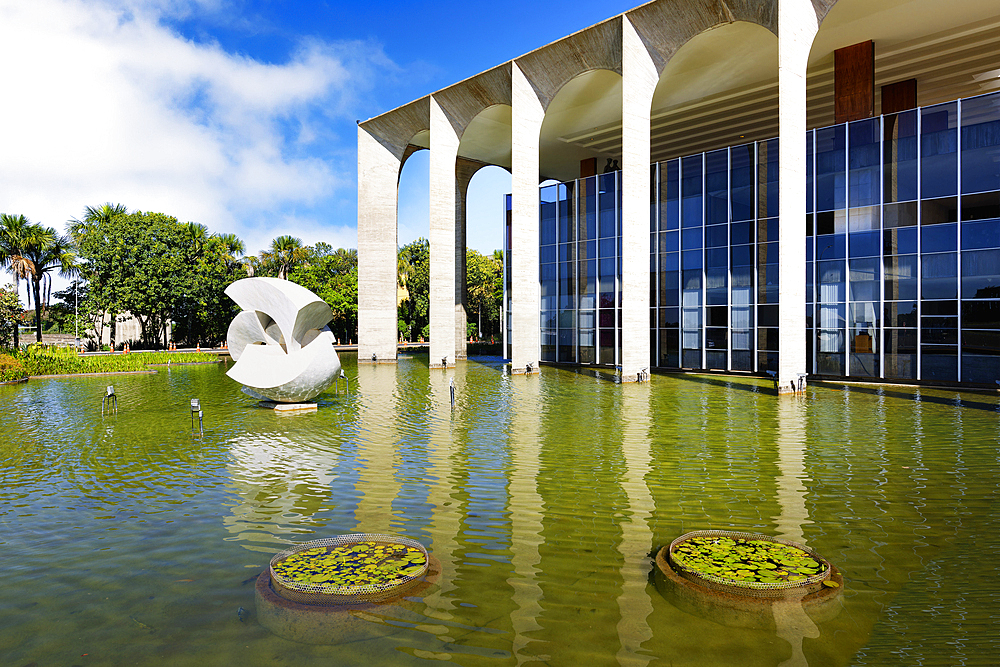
x,y
101,241
10,315
160,270
484,290
413,266
333,276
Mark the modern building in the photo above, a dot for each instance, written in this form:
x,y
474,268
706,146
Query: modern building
x,y
794,186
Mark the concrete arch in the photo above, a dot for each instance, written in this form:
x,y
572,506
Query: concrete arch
x,y
486,137
394,130
718,89
549,68
465,101
589,102
665,26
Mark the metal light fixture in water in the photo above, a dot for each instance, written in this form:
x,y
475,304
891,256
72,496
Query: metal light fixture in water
x,y
111,399
196,407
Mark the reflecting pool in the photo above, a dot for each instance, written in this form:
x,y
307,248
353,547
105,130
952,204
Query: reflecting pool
x,y
128,539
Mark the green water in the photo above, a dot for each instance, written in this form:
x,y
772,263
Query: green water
x,y
126,540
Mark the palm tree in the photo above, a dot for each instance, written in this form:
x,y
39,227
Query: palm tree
x,y
234,248
198,235
285,253
47,251
17,233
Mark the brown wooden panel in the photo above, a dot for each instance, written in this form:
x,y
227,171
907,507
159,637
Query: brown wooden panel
x,y
899,96
588,167
854,82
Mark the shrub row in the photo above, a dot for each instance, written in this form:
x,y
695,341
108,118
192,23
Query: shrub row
x,y
41,361
11,369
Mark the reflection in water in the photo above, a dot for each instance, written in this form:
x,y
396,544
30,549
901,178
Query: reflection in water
x,y
790,619
376,460
275,479
445,524
126,533
634,603
525,508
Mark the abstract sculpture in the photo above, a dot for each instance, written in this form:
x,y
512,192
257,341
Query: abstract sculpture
x,y
280,342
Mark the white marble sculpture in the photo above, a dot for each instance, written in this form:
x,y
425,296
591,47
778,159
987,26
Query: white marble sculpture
x,y
280,342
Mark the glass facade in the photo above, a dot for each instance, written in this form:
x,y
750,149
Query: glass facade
x,y
902,253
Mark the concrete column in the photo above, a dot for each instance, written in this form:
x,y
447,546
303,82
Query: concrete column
x,y
527,116
639,79
464,171
378,179
444,152
797,27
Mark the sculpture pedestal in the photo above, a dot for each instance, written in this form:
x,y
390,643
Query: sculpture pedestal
x,y
289,408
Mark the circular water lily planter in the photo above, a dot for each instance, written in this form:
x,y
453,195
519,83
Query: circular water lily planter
x,y
338,590
738,578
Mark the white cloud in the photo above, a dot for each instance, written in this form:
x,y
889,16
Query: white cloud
x,y
104,102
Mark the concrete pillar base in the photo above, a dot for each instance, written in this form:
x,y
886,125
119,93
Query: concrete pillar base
x,y
792,388
369,362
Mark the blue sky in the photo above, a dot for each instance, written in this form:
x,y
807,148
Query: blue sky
x,y
240,114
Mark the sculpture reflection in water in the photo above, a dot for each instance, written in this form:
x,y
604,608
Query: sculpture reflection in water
x,y
283,349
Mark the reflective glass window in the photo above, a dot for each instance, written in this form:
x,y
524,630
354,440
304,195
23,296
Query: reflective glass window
x,y
742,255
938,150
939,238
588,208
831,176
670,214
547,226
865,244
717,186
691,190
981,356
567,212
716,236
901,278
981,314
981,274
606,199
691,239
939,211
741,177
900,352
981,143
742,232
901,314
899,151
981,234
981,206
900,215
865,275
831,222
900,241
767,178
717,258
864,160
669,242
831,246
939,276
